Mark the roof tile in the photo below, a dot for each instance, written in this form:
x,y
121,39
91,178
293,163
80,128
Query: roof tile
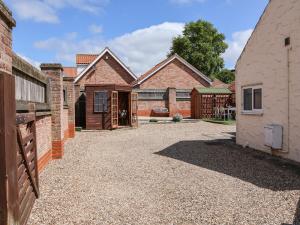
x,y
70,71
85,58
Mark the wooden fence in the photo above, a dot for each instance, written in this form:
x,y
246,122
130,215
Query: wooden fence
x,y
32,86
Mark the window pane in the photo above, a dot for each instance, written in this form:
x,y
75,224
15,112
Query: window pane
x,y
100,101
248,99
257,98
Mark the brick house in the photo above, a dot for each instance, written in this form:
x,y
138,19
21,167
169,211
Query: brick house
x,y
98,72
268,83
168,85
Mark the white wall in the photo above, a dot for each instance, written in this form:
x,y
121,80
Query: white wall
x,y
265,61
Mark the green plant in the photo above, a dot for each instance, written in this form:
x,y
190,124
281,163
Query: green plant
x,y
202,45
78,129
177,118
153,120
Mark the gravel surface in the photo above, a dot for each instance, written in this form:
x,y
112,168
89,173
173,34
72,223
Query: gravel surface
x,y
172,174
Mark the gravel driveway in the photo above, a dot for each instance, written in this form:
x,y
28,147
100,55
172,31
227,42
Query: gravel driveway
x,y
173,174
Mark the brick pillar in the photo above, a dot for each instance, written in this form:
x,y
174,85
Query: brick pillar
x,y
77,96
54,73
70,88
172,101
8,166
77,92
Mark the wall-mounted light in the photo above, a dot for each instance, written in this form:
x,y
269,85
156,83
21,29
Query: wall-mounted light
x,y
287,41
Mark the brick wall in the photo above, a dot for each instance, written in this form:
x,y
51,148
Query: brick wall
x,y
54,73
6,24
268,62
65,124
145,106
71,99
44,140
174,76
184,108
107,71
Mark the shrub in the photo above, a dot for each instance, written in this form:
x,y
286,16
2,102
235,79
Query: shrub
x,y
177,118
78,129
153,120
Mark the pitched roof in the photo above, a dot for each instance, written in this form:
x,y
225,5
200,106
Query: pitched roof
x,y
219,84
70,71
85,58
202,90
106,50
164,63
232,86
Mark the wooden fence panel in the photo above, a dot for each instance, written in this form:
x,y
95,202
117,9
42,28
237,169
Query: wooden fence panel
x,y
27,172
28,89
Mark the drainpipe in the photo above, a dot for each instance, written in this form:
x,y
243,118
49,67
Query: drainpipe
x,y
288,100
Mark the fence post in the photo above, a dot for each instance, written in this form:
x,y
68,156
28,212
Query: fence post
x,y
69,84
172,101
55,75
8,166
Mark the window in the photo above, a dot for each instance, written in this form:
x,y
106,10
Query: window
x,y
65,96
100,101
252,99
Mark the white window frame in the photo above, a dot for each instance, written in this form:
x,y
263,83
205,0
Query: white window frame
x,y
253,111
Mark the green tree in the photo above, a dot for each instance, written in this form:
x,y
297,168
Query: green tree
x,y
202,46
225,75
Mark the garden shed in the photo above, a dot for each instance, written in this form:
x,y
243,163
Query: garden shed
x,y
110,106
206,102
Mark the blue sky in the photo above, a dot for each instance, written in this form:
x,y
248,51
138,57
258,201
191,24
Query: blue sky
x,y
139,32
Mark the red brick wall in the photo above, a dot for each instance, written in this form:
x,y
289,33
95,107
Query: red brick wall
x,y
184,108
176,75
44,141
108,71
145,107
43,135
6,43
70,88
54,73
65,124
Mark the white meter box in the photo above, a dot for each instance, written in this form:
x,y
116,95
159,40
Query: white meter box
x,y
273,136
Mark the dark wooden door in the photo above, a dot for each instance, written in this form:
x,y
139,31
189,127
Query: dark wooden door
x,y
80,109
27,173
114,110
134,109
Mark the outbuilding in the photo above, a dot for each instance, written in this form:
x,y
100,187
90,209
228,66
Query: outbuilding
x,y
110,106
205,102
101,77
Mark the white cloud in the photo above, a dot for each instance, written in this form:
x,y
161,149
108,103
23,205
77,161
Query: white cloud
x,y
140,50
95,29
65,48
144,48
35,10
236,46
46,10
29,60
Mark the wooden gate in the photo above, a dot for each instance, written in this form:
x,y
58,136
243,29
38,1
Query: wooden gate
x,y
27,173
114,110
134,109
